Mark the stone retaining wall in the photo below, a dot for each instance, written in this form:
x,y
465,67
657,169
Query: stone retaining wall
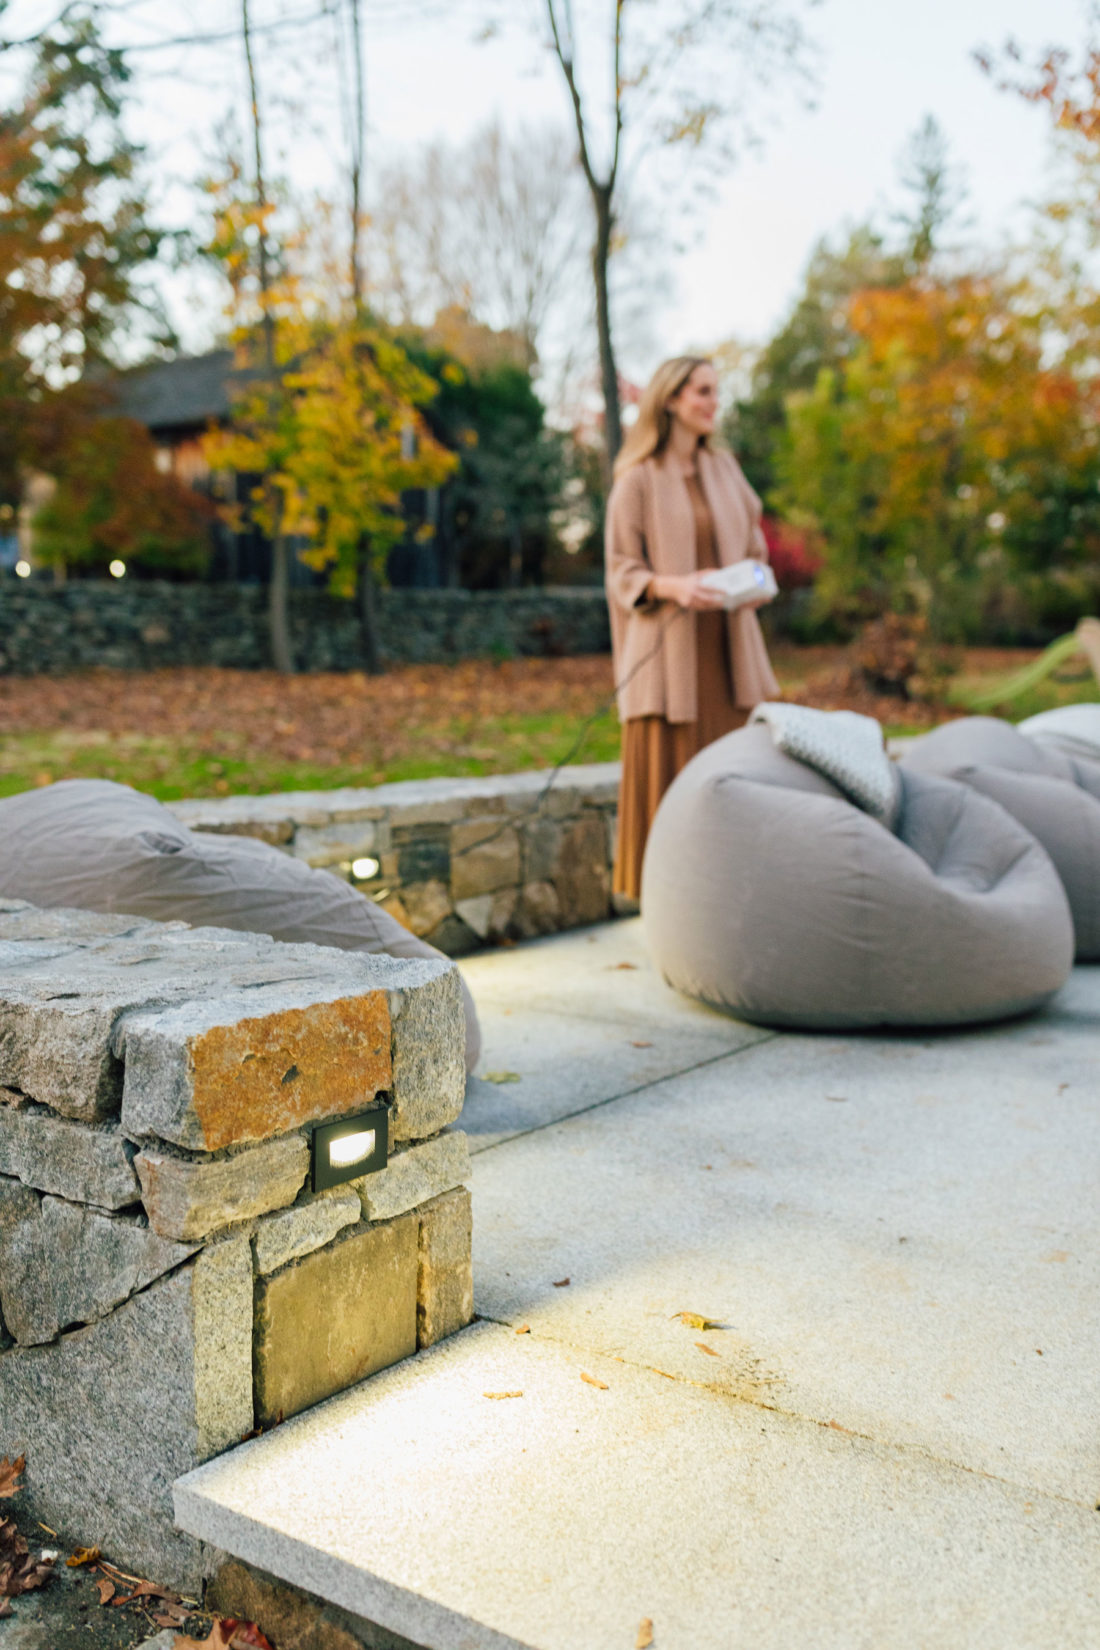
x,y
130,625
168,1282
462,862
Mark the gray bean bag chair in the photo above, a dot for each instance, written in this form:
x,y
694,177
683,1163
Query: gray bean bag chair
x,y
90,844
1074,730
1053,793
767,893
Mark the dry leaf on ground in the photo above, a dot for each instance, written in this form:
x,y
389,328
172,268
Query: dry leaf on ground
x,y
645,1634
696,1320
709,1350
20,1570
615,967
227,1634
524,1329
83,1555
105,1587
562,1283
593,1380
9,1472
503,1394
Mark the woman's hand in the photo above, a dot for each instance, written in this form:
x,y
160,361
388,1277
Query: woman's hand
x,y
685,590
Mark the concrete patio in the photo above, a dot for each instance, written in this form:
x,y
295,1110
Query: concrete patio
x,y
888,1434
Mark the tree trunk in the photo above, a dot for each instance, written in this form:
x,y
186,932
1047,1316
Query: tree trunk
x,y
515,558
609,375
368,616
282,654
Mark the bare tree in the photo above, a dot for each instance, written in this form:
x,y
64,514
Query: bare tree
x,y
671,86
489,226
282,656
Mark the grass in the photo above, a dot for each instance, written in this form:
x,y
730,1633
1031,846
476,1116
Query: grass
x,y
216,732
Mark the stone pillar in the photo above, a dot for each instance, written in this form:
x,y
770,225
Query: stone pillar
x,y
168,1281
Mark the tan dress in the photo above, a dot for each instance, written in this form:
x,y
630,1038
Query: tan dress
x,y
654,750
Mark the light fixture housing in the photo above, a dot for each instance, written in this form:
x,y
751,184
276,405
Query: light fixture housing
x,y
350,1148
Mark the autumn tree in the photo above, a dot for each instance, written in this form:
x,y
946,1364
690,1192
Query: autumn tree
x,y
111,501
75,232
933,459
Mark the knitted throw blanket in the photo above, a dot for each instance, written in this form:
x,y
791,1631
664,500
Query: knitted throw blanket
x,y
843,746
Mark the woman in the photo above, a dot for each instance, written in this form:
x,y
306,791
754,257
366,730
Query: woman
x,y
687,672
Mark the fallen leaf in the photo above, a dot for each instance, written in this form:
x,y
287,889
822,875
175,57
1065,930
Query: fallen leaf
x,y
503,1077
83,1555
612,967
696,1320
709,1350
105,1587
592,1381
836,1427
524,1329
172,1615
562,1283
147,1589
645,1634
9,1472
502,1394
246,1635
640,1045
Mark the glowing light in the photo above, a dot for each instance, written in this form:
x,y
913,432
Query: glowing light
x,y
23,569
117,569
351,1148
364,869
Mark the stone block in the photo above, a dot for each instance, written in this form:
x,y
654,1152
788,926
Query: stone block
x,y
453,937
429,1056
291,1619
423,854
485,856
189,1200
78,1161
476,913
583,881
445,1279
538,911
206,1075
542,842
59,1010
29,922
291,1233
111,1415
324,845
335,1317
426,904
62,1264
413,1176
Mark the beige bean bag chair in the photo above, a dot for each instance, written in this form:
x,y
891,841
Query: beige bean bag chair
x,y
90,844
1054,794
766,892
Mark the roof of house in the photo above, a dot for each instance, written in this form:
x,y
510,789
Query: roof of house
x,y
189,390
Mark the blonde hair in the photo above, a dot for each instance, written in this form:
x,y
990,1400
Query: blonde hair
x,y
649,433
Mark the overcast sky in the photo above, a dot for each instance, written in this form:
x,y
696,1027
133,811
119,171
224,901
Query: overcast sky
x,y
884,64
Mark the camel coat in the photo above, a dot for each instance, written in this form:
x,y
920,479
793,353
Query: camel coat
x,y
651,530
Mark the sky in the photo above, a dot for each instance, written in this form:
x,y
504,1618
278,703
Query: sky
x,y
882,66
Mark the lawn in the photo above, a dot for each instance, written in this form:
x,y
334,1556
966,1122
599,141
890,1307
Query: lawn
x,y
194,732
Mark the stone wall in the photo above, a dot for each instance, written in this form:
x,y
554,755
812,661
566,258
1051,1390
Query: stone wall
x,y
168,1281
462,862
131,625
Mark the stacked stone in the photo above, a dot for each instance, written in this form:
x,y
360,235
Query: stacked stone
x,y
145,625
462,862
168,1281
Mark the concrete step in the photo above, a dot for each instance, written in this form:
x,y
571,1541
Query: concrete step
x,y
563,1518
